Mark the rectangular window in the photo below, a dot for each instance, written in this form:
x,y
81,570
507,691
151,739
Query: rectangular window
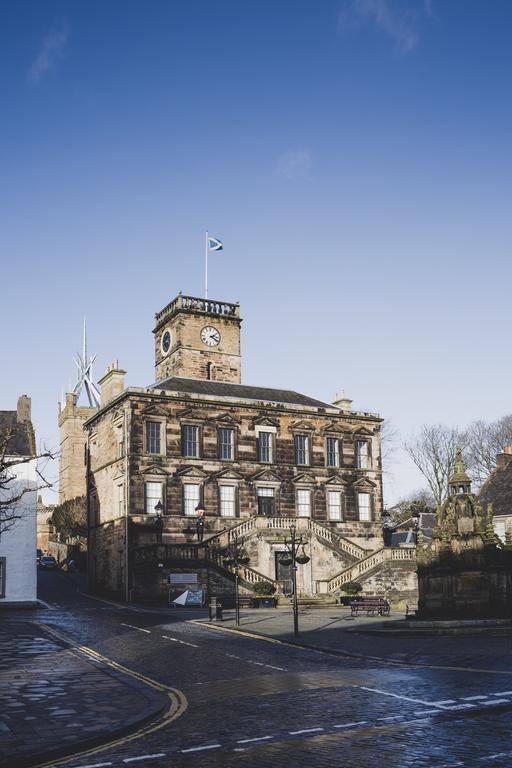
x,y
266,501
303,503
120,500
153,496
153,442
3,561
363,503
362,454
333,452
227,495
301,449
226,444
265,447
191,498
334,505
190,441
120,442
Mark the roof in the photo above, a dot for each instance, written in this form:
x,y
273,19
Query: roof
x,y
22,442
239,391
497,490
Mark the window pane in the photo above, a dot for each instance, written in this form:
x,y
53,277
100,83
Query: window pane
x,y
304,503
265,491
333,452
265,446
153,437
153,496
120,500
362,454
226,441
190,440
191,496
227,501
364,506
334,505
301,449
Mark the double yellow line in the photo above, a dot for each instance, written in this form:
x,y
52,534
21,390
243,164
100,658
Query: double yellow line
x,y
177,700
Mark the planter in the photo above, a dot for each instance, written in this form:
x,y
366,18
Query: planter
x,y
263,602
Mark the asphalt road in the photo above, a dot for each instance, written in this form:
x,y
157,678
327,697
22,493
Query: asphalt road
x,y
257,703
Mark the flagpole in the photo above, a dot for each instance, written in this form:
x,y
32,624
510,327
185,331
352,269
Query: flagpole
x,y
206,267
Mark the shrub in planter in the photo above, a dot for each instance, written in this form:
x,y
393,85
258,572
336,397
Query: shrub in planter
x,y
264,589
352,588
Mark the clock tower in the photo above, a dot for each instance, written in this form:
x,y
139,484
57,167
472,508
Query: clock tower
x,y
198,339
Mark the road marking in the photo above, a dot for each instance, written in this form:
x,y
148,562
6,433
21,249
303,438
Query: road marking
x,y
200,749
495,701
95,765
259,738
427,712
399,696
305,730
232,656
279,669
144,757
351,725
473,698
400,717
139,628
441,703
493,757
182,642
502,693
462,706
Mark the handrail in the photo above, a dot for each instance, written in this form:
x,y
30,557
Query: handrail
x,y
363,566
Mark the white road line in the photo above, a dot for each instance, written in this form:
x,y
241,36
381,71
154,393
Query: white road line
x,y
232,656
144,757
495,701
461,706
259,738
428,712
400,717
182,642
351,725
502,693
95,765
305,730
200,749
493,757
441,703
473,698
279,669
139,628
398,696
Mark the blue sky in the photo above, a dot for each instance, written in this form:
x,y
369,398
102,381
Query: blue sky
x,y
353,156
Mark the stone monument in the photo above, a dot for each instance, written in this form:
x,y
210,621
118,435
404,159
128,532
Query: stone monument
x,y
465,571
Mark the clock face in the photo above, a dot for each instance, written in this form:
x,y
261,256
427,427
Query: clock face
x,y
210,336
166,341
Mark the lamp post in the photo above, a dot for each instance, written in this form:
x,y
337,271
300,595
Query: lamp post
x,y
159,522
236,556
292,557
200,510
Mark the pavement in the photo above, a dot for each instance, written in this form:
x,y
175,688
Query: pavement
x,y
54,699
255,699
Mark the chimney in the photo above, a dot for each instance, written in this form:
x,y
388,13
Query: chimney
x,y
342,401
112,383
23,409
504,458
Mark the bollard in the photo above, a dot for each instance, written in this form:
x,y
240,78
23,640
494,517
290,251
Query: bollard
x,y
215,609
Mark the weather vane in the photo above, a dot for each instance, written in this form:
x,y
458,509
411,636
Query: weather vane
x,y
84,375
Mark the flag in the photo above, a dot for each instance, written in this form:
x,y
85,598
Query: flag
x,y
214,244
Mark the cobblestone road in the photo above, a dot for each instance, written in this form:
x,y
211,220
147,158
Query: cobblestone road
x,y
254,702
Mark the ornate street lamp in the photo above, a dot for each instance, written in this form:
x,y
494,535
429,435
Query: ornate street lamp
x,y
159,522
200,511
235,557
291,557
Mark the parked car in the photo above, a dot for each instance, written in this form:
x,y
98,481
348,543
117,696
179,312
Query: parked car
x,y
48,562
39,554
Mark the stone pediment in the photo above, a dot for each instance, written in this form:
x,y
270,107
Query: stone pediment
x,y
117,416
336,480
155,410
226,419
363,483
154,469
302,426
119,475
265,421
362,431
192,472
190,413
333,428
304,478
228,474
266,476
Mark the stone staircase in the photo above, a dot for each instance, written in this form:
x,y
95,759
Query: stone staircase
x,y
367,564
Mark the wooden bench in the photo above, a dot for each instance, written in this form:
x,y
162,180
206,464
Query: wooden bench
x,y
372,606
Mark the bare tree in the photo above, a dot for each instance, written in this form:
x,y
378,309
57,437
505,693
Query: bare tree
x,y
421,501
433,450
14,488
485,441
70,518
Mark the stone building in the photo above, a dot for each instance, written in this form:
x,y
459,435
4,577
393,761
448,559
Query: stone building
x,y
258,459
497,490
72,447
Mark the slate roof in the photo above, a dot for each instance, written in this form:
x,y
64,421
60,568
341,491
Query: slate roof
x,y
497,490
242,391
22,442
